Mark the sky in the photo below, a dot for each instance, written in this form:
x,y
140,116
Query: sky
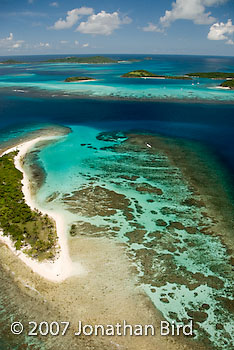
x,y
192,27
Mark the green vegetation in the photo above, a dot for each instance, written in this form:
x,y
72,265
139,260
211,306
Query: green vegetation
x,y
141,73
30,230
74,79
228,83
212,75
91,59
11,62
177,77
133,60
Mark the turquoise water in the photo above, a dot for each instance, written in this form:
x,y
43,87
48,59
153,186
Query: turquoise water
x,y
79,161
39,101
50,77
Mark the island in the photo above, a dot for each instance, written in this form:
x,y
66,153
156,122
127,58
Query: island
x,y
141,73
228,84
30,230
74,59
78,79
132,60
212,75
11,61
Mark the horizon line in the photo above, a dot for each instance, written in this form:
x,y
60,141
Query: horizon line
x,y
109,54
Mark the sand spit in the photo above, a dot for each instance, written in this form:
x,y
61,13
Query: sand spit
x,y
62,267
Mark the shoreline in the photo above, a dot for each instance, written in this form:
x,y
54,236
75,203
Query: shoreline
x,y
223,88
80,81
61,268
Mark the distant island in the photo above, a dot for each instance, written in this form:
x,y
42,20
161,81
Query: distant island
x,y
91,59
132,60
141,73
79,79
228,77
11,62
212,75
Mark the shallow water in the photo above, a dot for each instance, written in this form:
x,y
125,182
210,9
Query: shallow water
x,y
69,166
174,266
50,77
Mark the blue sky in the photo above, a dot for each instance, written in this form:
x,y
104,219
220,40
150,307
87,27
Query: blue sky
x,y
203,27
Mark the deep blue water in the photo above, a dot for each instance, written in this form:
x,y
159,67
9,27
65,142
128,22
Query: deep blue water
x,y
212,124
209,123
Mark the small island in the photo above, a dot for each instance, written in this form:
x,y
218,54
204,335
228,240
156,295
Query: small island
x,y
228,84
212,75
228,77
133,60
141,73
11,61
74,59
78,79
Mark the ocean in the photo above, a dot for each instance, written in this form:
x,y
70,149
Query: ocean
x,y
111,121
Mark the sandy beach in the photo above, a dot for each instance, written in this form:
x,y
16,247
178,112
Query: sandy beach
x,y
62,267
153,78
81,81
223,88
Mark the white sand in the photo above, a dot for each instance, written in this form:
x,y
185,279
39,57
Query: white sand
x,y
153,78
223,87
62,267
81,81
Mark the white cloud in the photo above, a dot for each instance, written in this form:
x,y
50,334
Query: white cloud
x,y
72,17
54,4
63,42
76,42
9,43
44,45
30,1
152,28
85,45
222,31
41,45
16,46
194,10
10,37
102,23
